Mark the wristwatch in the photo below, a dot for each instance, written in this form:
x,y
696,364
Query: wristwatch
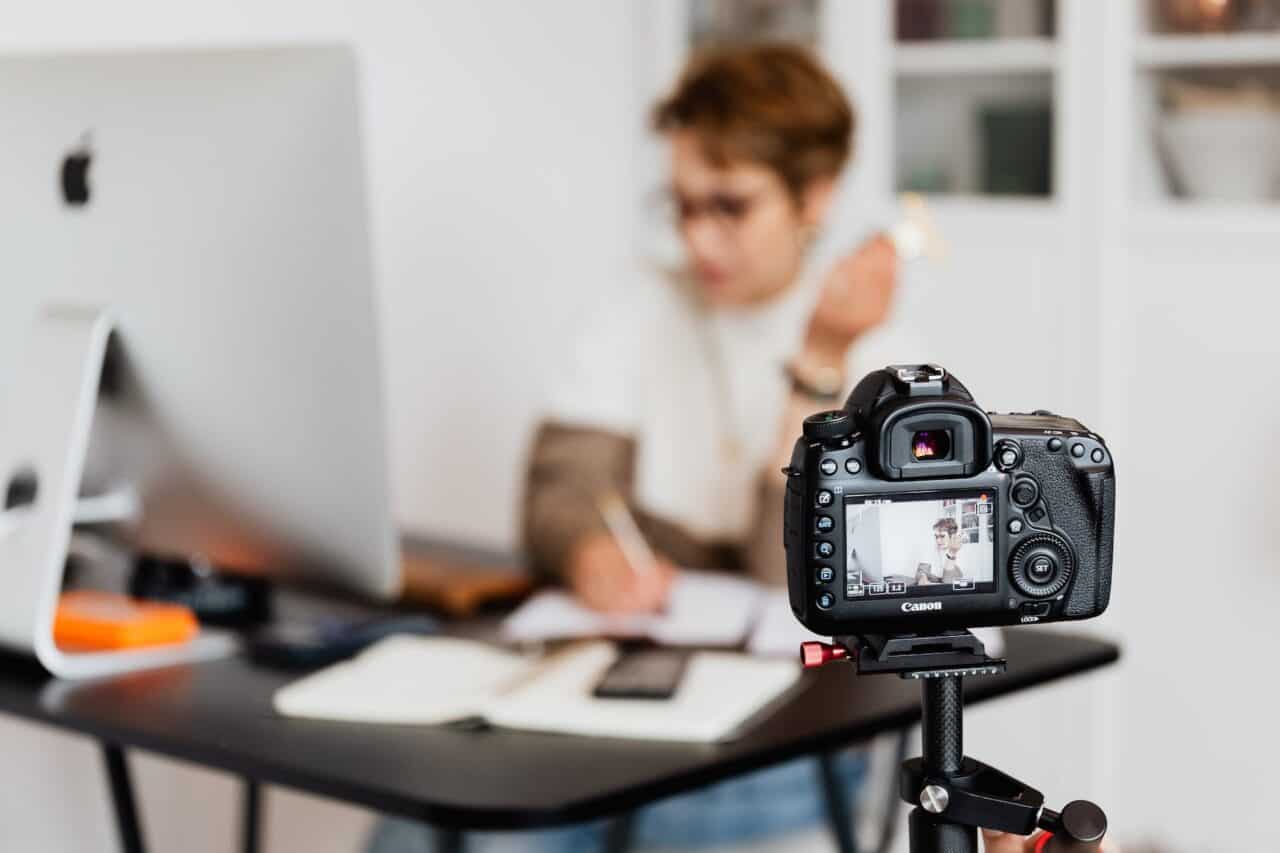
x,y
824,386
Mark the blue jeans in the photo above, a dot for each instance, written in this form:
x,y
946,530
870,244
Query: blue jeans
x,y
767,803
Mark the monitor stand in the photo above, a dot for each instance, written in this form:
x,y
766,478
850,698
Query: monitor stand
x,y
44,437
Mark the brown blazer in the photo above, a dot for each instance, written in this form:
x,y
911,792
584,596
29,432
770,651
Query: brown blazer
x,y
571,466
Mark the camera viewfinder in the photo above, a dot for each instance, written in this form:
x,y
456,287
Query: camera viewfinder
x,y
930,444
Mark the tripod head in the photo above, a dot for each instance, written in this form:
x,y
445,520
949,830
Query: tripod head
x,y
954,795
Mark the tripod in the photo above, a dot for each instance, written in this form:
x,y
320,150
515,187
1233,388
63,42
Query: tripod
x,y
954,795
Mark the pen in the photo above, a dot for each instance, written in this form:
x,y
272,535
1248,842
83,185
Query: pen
x,y
624,529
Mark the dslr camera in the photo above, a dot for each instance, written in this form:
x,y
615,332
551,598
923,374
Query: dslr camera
x,y
912,509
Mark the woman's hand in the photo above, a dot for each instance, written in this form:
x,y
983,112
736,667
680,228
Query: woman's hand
x,y
856,297
600,576
1004,842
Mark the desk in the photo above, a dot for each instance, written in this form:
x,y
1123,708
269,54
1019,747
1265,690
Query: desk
x,y
219,715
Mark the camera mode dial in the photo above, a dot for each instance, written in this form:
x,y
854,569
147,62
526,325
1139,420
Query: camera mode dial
x,y
1041,565
828,426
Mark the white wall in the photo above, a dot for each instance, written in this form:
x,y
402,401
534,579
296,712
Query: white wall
x,y
1195,414
499,137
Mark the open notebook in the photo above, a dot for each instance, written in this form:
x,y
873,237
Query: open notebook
x,y
424,680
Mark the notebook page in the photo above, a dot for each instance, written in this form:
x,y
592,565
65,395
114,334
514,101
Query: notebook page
x,y
705,608
777,632
406,679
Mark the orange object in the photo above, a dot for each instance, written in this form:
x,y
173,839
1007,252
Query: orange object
x,y
89,620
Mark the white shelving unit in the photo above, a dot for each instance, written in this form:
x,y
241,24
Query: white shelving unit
x,y
1102,73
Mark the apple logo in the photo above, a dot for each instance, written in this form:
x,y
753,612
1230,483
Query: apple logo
x,y
75,174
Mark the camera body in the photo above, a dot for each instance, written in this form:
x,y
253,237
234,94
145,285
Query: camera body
x,y
914,510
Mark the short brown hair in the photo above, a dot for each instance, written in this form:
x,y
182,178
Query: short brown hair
x,y
948,525
772,104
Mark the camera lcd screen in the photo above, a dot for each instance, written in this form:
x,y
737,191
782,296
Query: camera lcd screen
x,y
908,545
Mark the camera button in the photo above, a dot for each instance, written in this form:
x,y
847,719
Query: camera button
x,y
1055,444
824,549
826,574
1097,455
823,524
1008,454
823,498
1041,569
1036,514
1015,526
1035,608
1077,450
1025,492
828,466
853,466
825,601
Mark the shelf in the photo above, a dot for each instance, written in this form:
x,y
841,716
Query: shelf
x,y
1006,216
975,56
961,205
1217,219
1190,51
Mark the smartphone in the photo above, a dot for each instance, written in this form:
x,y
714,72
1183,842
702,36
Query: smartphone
x,y
643,674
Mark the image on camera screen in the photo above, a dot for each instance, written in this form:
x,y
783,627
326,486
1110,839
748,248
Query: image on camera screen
x,y
908,545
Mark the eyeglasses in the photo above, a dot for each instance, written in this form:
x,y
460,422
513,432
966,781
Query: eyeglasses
x,y
726,210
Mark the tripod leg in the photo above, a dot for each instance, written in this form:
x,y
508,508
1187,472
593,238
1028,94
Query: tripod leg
x,y
929,835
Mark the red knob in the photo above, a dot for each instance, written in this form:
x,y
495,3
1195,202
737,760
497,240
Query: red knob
x,y
816,654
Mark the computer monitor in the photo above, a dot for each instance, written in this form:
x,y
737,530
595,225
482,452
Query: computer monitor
x,y
214,200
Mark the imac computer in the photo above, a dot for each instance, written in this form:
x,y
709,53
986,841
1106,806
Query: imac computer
x,y
212,205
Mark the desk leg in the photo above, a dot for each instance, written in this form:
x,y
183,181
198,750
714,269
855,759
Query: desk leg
x,y
122,798
838,814
448,840
617,838
250,816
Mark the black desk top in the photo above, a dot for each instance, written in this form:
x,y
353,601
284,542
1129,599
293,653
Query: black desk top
x,y
219,714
